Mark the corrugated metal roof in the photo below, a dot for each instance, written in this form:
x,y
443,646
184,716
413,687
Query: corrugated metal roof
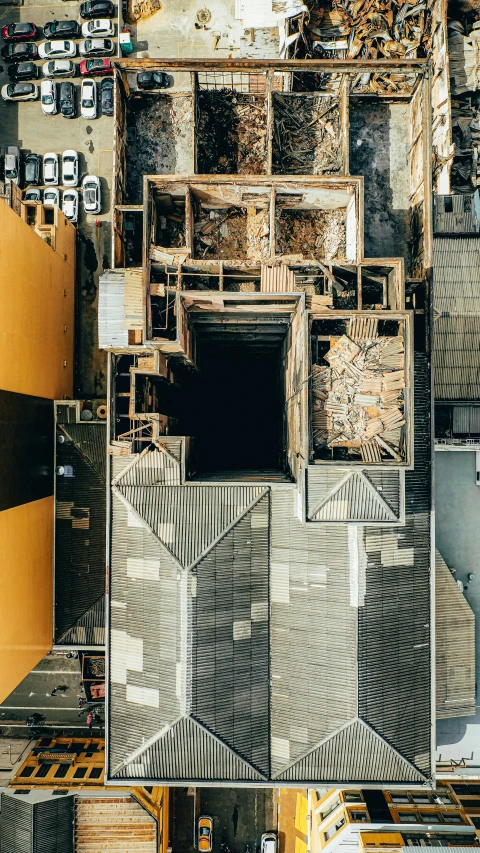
x,y
80,536
157,465
354,496
189,751
230,638
354,754
456,339
36,827
454,646
394,621
188,520
111,310
113,824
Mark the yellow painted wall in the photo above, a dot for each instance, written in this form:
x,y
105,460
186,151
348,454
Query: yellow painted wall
x,y
26,582
33,308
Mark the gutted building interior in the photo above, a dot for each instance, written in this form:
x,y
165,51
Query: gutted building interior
x,y
270,478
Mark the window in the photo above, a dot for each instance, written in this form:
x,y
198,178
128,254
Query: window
x,y
399,798
448,204
27,771
430,817
356,814
333,829
42,771
446,799
420,798
451,817
330,808
95,773
407,817
61,771
352,797
475,821
80,772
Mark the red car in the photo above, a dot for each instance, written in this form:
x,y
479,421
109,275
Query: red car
x,y
19,32
96,67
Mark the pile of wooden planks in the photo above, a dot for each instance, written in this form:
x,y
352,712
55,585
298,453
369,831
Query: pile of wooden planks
x,y
358,398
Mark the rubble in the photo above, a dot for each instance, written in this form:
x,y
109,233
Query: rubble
x,y
365,29
306,134
319,234
221,233
358,397
231,133
141,9
465,105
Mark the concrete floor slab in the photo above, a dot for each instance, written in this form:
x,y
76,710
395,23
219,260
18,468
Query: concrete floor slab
x,y
457,534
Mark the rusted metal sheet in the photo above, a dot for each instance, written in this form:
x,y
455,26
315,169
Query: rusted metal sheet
x,y
113,825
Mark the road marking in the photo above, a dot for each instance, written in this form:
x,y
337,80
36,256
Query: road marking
x,y
57,671
31,708
46,726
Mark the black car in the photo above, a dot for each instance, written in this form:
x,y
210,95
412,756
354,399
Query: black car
x,y
97,9
152,80
23,71
62,30
107,96
21,50
32,169
67,100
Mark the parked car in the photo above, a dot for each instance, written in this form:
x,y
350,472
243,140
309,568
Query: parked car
x,y
70,168
89,99
269,842
13,160
97,47
21,31
23,71
67,99
51,197
70,205
19,92
92,194
97,9
32,194
33,163
101,27
205,834
21,50
96,67
62,30
49,97
59,68
57,49
152,80
50,168
107,96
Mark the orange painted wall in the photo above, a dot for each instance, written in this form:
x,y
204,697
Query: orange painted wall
x,y
26,584
33,308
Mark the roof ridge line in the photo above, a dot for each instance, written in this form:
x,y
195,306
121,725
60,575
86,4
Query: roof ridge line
x,y
75,624
377,496
132,464
144,523
316,745
82,452
333,491
146,745
228,528
225,745
395,750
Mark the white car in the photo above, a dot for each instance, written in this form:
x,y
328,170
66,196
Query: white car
x,y
59,68
57,50
51,197
70,168
269,842
89,98
50,169
12,165
19,92
97,47
103,27
48,91
92,194
70,205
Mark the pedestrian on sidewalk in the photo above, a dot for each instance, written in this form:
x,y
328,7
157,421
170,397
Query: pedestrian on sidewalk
x,y
90,721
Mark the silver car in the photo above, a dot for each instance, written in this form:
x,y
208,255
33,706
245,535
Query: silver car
x,y
12,165
49,97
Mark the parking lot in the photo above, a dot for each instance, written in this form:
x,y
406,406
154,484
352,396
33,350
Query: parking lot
x,y
25,125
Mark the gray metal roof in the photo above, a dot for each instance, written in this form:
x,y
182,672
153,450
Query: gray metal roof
x,y
366,495
456,304
247,645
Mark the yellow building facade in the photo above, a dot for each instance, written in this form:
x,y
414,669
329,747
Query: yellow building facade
x,y
37,288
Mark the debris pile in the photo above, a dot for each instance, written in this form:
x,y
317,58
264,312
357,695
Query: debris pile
x,y
306,135
231,133
171,223
319,234
358,400
464,52
141,9
365,29
221,233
